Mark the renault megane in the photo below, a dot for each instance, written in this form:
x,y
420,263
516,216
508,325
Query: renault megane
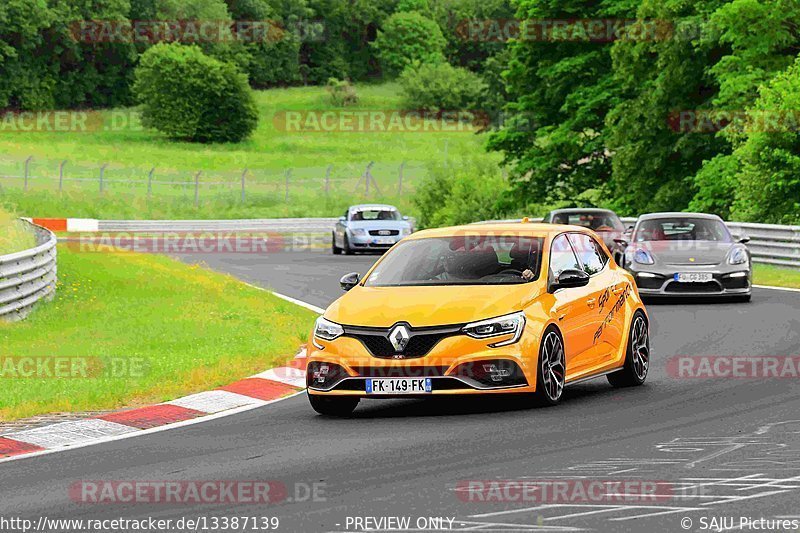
x,y
490,309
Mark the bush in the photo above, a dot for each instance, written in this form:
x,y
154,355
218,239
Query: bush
x,y
469,191
440,86
190,96
409,37
342,92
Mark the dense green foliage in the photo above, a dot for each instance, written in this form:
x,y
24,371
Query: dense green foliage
x,y
409,37
441,86
639,124
191,96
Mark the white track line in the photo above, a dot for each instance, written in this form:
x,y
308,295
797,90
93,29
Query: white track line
x,y
773,288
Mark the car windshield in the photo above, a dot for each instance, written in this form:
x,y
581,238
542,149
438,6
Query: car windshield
x,y
595,221
375,214
682,229
460,260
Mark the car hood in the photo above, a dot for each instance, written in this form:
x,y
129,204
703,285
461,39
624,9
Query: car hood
x,y
430,305
687,252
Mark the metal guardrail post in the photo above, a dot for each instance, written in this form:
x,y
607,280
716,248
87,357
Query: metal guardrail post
x,y
61,175
27,172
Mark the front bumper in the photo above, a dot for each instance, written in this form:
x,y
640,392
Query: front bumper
x,y
655,282
371,242
451,366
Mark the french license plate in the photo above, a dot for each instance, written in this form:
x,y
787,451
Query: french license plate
x,y
399,386
693,277
384,240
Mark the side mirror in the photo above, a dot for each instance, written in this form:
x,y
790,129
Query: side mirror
x,y
571,278
349,281
622,243
342,219
744,238
405,217
629,228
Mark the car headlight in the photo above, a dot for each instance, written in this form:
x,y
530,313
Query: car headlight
x,y
326,330
738,256
405,231
358,232
643,257
494,327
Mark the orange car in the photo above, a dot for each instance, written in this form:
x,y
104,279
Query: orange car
x,y
480,309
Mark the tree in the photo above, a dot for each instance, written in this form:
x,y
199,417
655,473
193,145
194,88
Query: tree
x,y
407,37
191,96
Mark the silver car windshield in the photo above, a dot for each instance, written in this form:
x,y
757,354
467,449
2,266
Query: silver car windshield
x,y
375,214
460,260
682,229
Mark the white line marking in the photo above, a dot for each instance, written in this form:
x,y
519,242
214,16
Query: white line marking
x,y
295,301
776,288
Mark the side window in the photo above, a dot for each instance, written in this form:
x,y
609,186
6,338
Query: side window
x,y
591,255
561,256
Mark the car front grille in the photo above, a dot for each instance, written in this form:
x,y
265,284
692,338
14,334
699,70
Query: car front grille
x,y
420,342
688,288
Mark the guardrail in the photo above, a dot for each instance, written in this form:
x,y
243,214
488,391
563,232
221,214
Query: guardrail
x,y
278,225
27,277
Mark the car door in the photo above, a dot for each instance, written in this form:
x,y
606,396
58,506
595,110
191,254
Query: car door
x,y
576,319
603,299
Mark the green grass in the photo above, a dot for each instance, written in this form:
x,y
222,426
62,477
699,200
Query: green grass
x,y
189,328
776,276
15,235
132,151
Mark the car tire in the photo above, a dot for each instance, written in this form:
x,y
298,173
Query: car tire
x,y
347,249
551,369
637,356
335,249
333,405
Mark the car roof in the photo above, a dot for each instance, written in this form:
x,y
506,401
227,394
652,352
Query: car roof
x,y
678,214
361,207
571,210
520,228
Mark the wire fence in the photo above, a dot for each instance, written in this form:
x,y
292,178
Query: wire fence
x,y
372,179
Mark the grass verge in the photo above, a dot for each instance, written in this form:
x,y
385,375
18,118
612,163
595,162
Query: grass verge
x,y
15,235
776,276
131,152
151,328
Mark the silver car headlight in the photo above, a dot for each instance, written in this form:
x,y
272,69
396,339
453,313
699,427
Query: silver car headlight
x,y
326,330
738,256
494,327
405,231
643,257
358,232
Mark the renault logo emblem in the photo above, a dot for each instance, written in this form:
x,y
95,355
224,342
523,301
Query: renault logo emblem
x,y
399,337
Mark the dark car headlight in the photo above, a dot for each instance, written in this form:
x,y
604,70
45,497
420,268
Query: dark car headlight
x,y
494,327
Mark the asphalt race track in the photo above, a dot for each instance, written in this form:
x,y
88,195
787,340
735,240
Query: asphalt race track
x,y
733,445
